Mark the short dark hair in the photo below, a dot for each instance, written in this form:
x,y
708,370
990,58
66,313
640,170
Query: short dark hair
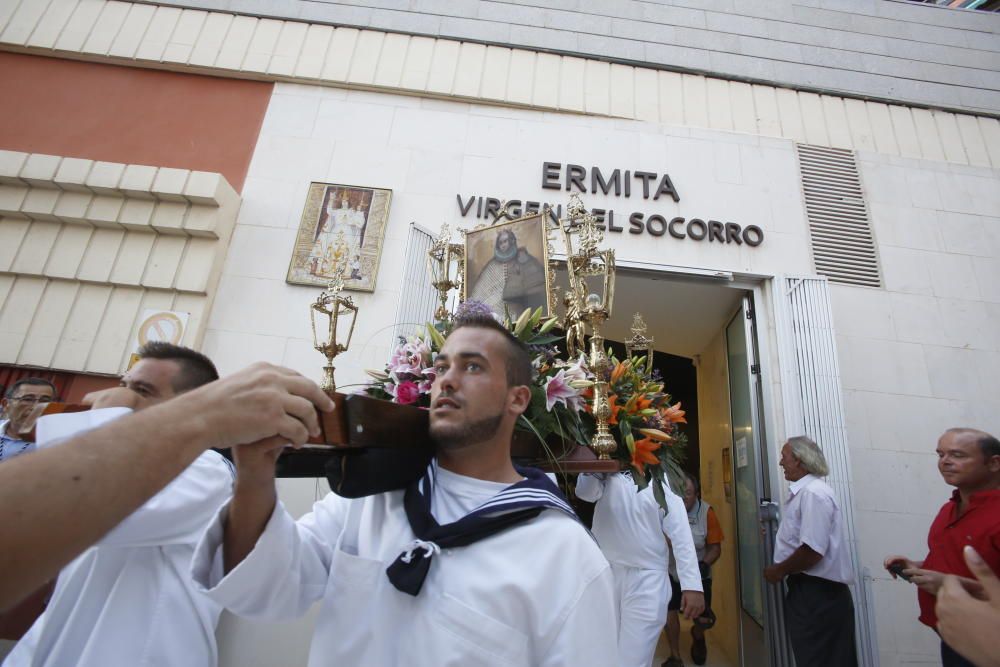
x,y
41,382
989,445
518,354
196,368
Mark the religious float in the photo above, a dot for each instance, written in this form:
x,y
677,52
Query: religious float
x,y
590,411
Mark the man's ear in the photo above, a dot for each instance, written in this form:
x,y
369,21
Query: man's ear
x,y
519,398
993,464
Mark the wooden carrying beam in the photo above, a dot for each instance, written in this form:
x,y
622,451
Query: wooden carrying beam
x,y
360,421
363,421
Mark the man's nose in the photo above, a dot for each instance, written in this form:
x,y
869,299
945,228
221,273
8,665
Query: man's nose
x,y
447,380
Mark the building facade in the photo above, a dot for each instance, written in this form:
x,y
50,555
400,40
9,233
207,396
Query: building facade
x,y
803,196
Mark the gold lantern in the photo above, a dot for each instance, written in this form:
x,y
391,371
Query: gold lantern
x,y
639,343
446,266
339,312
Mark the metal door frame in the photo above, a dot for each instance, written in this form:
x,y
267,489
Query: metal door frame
x,y
766,426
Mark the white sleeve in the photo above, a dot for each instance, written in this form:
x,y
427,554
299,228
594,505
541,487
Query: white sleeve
x,y
589,487
286,571
56,429
817,514
678,531
589,635
179,513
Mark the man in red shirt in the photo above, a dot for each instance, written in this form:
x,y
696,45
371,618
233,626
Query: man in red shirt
x,y
969,460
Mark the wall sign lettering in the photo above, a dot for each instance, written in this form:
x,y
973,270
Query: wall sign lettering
x,y
619,183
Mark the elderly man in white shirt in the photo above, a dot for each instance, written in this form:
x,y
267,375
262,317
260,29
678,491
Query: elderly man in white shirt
x,y
631,528
129,600
811,555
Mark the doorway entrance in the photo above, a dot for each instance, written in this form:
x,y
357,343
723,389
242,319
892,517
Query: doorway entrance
x,y
711,323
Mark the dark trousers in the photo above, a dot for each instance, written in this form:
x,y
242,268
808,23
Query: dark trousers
x,y
951,658
819,614
676,593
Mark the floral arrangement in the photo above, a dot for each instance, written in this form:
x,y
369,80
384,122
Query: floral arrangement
x,y
557,388
643,420
408,375
645,426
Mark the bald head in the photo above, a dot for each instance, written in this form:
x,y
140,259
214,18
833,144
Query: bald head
x,y
988,445
969,459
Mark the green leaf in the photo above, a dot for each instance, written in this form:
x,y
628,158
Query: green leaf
x,y
675,476
531,427
547,326
559,426
437,339
521,325
535,317
541,339
640,480
549,454
661,498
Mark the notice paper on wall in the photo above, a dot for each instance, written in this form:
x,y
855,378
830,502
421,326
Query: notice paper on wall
x,y
741,453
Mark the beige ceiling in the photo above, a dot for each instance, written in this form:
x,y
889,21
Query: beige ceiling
x,y
682,315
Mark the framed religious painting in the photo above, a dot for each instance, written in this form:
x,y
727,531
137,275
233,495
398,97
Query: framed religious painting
x,y
506,266
342,225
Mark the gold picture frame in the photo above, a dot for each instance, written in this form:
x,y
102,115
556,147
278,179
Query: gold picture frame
x,y
509,276
333,211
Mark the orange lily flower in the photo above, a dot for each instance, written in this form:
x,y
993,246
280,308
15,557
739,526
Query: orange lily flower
x,y
637,404
674,414
613,404
618,371
643,454
655,434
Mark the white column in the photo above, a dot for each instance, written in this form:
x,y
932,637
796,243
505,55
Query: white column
x,y
814,406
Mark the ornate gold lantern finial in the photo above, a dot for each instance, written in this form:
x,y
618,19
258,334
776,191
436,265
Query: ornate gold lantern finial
x,y
639,343
575,208
331,304
446,265
588,300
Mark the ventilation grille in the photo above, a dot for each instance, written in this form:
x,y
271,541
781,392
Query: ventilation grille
x,y
842,243
417,298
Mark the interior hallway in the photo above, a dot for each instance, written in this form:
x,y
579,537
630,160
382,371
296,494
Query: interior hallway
x,y
715,656
688,318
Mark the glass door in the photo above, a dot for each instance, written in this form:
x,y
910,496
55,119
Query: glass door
x,y
761,629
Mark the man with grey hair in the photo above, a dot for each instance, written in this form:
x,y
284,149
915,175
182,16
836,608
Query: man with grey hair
x,y
810,554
